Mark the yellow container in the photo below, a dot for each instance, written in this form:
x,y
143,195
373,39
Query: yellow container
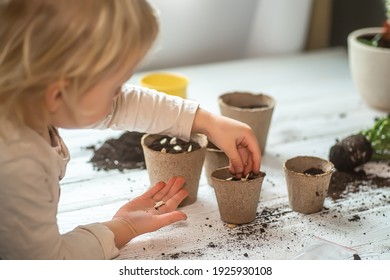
x,y
169,83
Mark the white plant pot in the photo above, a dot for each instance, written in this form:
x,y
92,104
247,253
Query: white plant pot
x,y
370,69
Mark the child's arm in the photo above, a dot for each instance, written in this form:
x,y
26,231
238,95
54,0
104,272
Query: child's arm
x,y
236,139
144,110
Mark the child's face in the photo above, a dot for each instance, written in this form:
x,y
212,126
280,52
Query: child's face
x,y
94,105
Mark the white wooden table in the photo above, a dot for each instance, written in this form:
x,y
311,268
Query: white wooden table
x,y
316,103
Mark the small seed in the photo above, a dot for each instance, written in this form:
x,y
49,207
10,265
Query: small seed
x,y
231,225
177,148
163,141
158,204
189,148
230,178
163,151
173,141
246,178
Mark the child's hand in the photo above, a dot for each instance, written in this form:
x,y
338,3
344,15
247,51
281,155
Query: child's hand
x,y
142,214
235,138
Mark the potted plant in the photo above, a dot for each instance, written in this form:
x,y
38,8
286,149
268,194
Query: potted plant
x,y
369,60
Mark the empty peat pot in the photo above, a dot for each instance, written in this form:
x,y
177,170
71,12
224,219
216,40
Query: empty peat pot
x,y
215,158
237,200
163,166
253,109
308,181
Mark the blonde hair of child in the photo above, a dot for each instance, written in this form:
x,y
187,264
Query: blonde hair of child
x,y
80,41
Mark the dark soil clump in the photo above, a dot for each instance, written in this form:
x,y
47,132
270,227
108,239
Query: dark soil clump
x,y
122,153
173,145
350,152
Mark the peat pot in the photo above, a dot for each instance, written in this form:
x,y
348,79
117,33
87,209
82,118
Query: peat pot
x,y
163,166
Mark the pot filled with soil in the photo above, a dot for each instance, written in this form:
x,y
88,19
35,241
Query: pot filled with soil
x,y
370,67
237,198
308,180
167,156
253,109
215,158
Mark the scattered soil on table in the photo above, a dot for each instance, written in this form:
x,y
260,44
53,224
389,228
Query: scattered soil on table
x,y
267,218
183,255
342,183
173,145
241,237
122,153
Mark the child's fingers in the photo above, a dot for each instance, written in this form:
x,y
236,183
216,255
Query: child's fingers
x,y
236,164
173,182
249,166
179,184
154,190
173,202
255,156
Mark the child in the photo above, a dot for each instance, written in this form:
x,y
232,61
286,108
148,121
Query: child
x,y
62,65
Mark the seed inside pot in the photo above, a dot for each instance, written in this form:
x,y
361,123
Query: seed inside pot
x,y
173,145
248,177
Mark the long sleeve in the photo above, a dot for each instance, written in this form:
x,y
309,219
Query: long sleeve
x,y
144,110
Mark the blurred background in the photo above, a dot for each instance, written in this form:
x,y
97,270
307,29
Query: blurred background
x,y
205,31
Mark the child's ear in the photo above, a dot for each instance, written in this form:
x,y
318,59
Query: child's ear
x,y
54,97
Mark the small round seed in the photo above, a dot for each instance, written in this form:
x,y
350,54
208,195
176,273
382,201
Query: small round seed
x,y
177,148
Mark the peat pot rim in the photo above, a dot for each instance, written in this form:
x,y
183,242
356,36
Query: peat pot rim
x,y
316,162
226,98
222,173
212,148
148,139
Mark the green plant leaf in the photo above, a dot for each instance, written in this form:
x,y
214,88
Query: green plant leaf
x,y
366,42
379,136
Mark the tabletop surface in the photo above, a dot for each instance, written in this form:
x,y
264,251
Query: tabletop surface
x,y
316,103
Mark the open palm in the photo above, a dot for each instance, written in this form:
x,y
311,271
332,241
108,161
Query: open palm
x,y
144,214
